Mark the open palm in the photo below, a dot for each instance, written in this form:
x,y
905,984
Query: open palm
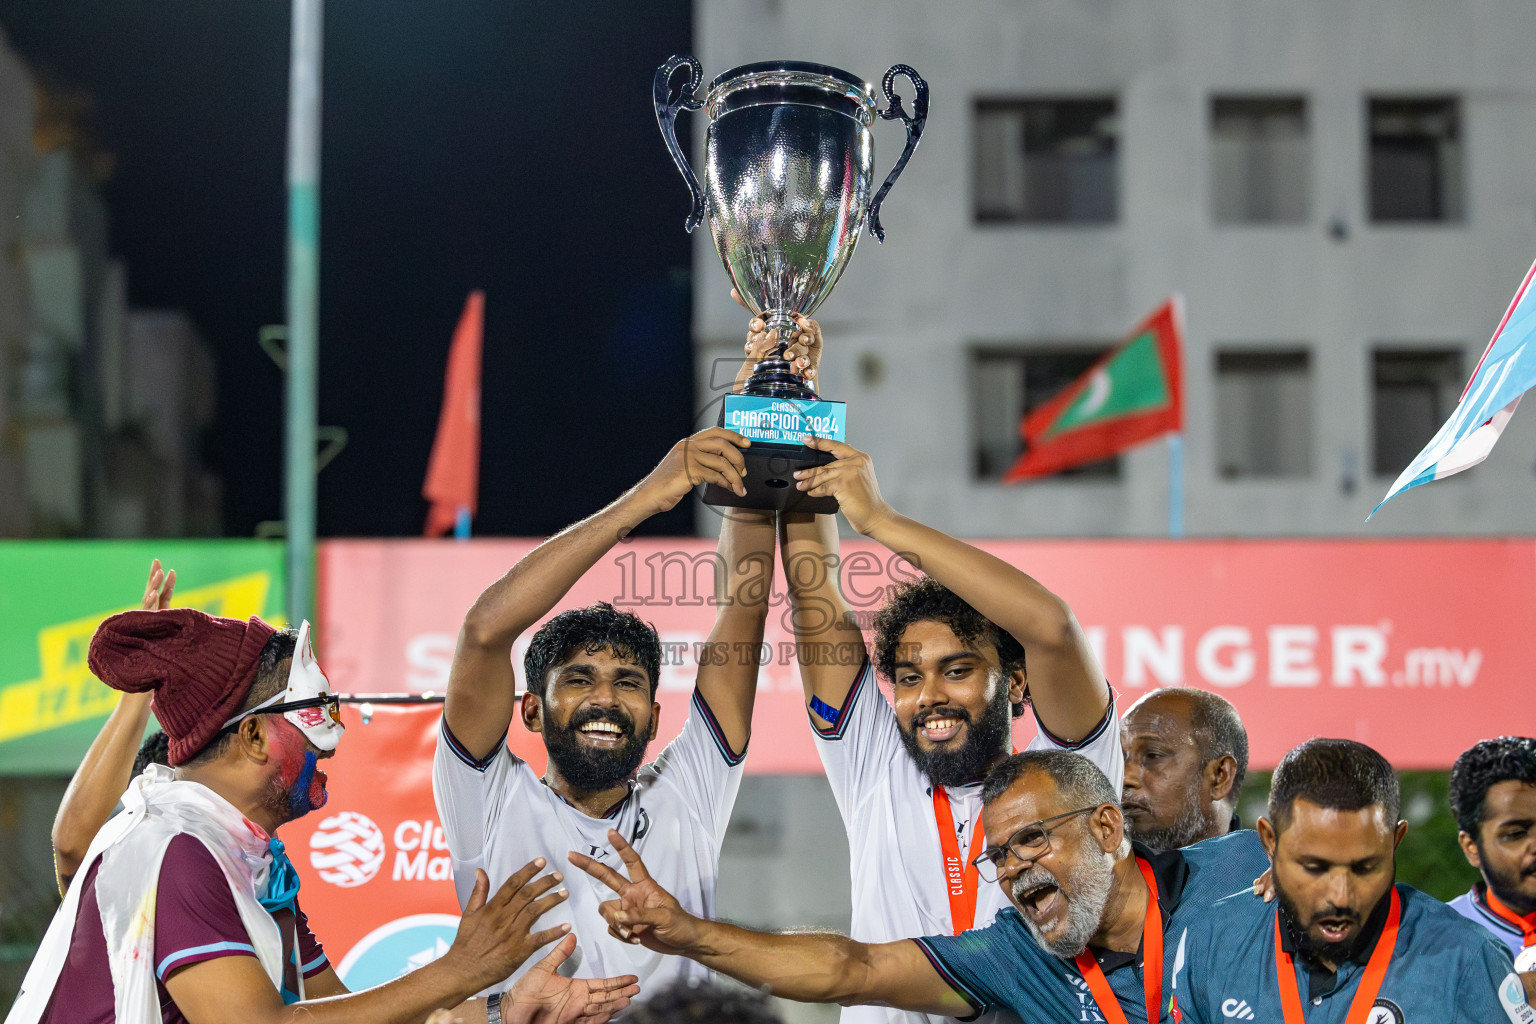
x,y
544,997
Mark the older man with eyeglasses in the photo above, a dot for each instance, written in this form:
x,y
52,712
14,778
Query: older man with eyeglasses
x,y
1084,932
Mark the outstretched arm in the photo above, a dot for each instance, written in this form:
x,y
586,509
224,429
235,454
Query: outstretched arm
x,y
1066,685
828,643
809,967
744,571
481,695
744,583
108,765
495,937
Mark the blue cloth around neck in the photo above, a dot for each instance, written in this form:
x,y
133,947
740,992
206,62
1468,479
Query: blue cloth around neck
x,y
282,881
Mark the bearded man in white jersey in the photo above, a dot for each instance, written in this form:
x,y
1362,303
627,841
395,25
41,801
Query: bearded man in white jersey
x,y
591,686
966,648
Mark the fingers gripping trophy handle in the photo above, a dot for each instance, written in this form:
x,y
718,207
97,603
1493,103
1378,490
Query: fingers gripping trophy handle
x,y
668,104
914,122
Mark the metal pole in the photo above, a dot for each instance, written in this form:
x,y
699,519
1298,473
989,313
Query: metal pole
x,y
1176,485
303,302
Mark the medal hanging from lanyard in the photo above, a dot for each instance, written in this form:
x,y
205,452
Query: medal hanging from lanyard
x,y
1151,962
960,878
1526,960
1370,978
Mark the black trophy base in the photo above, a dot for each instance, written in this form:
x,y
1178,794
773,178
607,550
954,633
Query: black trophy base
x,y
770,481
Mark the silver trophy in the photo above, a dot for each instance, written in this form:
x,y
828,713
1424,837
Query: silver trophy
x,y
788,168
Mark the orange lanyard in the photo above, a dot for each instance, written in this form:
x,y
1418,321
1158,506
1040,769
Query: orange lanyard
x,y
1526,923
960,879
1370,978
1151,962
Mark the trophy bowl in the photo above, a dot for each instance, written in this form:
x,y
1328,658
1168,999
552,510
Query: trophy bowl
x,y
788,173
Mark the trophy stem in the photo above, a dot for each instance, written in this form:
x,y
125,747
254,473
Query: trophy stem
x,y
774,377
779,320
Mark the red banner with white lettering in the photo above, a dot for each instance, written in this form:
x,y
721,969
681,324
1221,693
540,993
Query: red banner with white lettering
x,y
376,879
1418,648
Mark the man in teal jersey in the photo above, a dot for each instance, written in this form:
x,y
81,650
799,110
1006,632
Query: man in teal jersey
x,y
1077,937
1341,944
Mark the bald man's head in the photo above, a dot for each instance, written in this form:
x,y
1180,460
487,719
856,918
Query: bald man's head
x,y
1186,753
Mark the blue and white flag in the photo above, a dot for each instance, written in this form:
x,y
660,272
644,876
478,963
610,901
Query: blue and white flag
x,y
1506,371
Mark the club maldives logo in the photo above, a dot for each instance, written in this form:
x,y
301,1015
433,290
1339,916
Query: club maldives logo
x,y
346,849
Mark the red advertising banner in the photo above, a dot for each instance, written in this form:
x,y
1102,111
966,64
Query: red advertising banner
x,y
377,883
1418,648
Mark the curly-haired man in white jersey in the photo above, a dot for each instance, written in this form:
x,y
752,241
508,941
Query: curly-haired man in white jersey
x,y
966,647
591,689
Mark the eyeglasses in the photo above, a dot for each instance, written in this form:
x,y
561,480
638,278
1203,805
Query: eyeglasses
x,y
1027,843
330,704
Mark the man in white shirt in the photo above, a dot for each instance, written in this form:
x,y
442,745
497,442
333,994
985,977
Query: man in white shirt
x,y
907,773
591,686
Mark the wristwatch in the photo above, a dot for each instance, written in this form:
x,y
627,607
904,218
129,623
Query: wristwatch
x,y
493,1008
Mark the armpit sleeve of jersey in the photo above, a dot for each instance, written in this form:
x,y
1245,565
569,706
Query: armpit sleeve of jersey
x,y
973,964
1489,989
468,792
858,748
1101,746
195,914
312,959
702,764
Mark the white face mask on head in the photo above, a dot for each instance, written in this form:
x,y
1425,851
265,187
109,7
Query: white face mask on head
x,y
308,703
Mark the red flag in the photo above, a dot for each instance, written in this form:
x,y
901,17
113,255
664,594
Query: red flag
x,y
453,474
1133,394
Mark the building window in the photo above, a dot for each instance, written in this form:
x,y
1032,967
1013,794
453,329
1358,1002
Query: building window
x,y
1047,161
1260,160
1414,391
1263,413
1416,164
1007,385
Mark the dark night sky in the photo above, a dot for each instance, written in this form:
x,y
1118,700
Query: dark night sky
x,y
501,144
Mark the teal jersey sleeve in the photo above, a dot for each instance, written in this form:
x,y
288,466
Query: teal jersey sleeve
x,y
1490,989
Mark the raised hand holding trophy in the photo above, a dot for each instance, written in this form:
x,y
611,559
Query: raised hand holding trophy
x,y
788,167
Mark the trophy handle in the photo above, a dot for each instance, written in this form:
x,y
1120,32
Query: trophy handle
x,y
668,103
914,123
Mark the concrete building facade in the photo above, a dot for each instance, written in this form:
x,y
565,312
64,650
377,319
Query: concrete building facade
x,y
1341,192
101,405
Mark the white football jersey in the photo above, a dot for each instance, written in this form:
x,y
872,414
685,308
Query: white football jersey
x,y
498,815
899,886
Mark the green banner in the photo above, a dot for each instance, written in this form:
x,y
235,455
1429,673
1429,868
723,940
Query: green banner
x,y
53,595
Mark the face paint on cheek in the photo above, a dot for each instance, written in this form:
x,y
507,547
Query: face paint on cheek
x,y
317,791
300,799
301,783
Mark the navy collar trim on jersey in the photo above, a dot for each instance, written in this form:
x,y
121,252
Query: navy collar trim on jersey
x,y
1322,981
612,812
1172,872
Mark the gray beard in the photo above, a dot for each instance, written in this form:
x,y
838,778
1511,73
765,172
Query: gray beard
x,y
1187,828
1090,882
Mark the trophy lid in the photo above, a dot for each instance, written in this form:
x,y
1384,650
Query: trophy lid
x,y
781,81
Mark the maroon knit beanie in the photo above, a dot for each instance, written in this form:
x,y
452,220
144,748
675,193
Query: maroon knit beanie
x,y
199,666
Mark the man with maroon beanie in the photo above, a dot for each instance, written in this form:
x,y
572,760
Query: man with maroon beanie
x,y
186,907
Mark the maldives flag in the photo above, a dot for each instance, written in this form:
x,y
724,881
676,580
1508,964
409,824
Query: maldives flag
x,y
453,474
1133,394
